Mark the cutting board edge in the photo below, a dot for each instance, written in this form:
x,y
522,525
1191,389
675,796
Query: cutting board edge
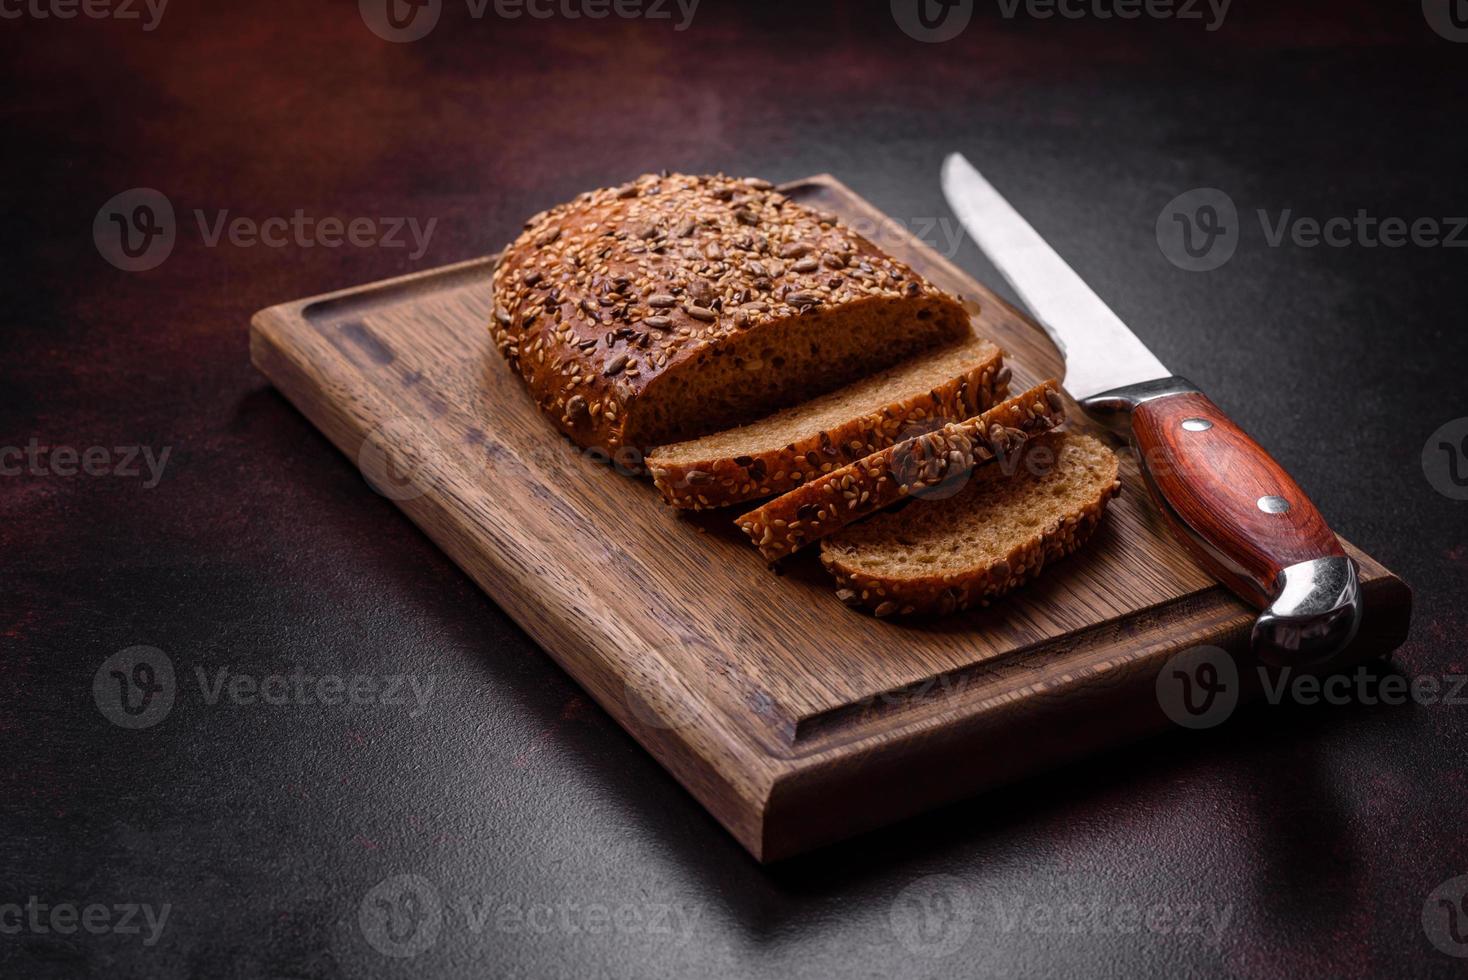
x,y
755,794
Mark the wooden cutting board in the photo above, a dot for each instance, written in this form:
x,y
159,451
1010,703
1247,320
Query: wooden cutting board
x,y
794,720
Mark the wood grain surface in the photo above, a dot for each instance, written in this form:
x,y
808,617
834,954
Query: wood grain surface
x,y
1213,480
792,719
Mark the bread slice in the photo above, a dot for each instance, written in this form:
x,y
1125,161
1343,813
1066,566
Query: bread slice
x,y
931,465
996,534
792,446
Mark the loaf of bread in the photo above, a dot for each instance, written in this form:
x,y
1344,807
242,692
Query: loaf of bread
x,y
799,443
994,535
674,306
936,463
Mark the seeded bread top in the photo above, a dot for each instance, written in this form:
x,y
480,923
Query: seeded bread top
x,y
600,295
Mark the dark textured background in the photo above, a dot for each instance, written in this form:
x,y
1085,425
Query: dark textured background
x,y
1320,831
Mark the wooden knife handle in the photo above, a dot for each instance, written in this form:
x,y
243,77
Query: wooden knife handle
x,y
1243,518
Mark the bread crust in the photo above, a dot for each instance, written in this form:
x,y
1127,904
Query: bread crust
x,y
601,297
949,592
823,506
720,482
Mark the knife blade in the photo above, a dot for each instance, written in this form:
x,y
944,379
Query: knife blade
x,y
1100,352
1234,508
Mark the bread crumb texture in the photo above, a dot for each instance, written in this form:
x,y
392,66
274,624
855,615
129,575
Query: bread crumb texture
x,y
993,536
800,443
928,466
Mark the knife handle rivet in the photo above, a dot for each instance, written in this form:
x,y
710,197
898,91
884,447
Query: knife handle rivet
x,y
1273,505
1197,425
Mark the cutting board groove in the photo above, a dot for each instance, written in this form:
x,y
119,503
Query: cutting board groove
x,y
794,720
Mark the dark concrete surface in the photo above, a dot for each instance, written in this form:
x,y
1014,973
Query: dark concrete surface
x,y
1293,841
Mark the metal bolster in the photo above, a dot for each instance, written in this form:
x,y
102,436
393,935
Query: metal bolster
x,y
1113,408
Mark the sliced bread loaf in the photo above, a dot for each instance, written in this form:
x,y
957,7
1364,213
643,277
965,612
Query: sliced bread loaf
x,y
991,537
798,444
674,306
934,464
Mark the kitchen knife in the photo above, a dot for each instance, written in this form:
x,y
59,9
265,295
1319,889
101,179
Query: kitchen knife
x,y
1232,506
